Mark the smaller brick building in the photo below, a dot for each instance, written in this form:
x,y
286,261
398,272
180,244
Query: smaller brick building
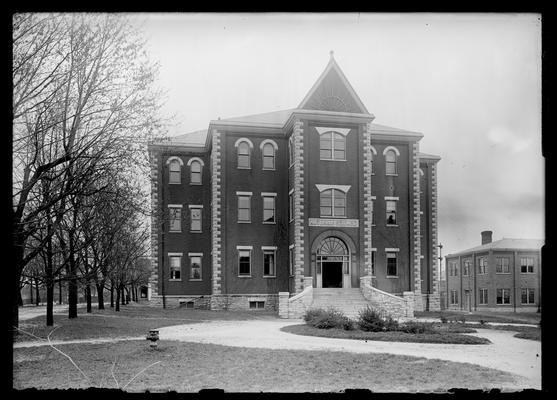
x,y
504,275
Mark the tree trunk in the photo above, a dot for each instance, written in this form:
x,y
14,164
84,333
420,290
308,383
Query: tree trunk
x,y
117,300
122,295
60,291
112,295
127,290
72,287
31,301
49,281
88,296
38,296
100,296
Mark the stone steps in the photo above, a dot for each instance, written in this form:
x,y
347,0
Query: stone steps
x,y
349,301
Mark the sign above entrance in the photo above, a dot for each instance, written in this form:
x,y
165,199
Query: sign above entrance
x,y
334,222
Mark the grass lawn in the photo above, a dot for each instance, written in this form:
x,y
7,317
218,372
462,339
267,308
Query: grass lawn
x,y
488,316
133,320
524,332
190,367
394,336
534,334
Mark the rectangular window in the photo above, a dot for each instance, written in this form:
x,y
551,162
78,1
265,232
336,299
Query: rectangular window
x,y
483,296
174,171
391,264
290,206
195,172
527,265
175,268
482,266
195,215
391,212
269,262
268,209
244,262
291,260
503,296
373,263
527,296
454,297
244,208
466,268
453,268
175,219
256,304
502,266
195,267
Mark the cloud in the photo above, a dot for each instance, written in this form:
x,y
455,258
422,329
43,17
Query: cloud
x,y
502,136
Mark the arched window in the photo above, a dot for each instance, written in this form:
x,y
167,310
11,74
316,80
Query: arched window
x,y
268,151
290,151
332,146
243,155
174,169
333,203
390,162
195,172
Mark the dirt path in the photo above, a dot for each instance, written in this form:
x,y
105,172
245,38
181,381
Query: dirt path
x,y
507,353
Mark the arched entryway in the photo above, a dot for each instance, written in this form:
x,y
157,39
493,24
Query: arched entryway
x,y
333,262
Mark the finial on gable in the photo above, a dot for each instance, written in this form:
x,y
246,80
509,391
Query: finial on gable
x,y
332,53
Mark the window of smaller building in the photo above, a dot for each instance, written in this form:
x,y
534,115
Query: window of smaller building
x,y
268,156
175,268
390,162
466,268
373,263
392,264
244,155
502,266
244,208
332,146
269,209
453,268
244,262
291,207
528,296
195,172
483,296
333,203
454,297
482,266
503,296
256,304
195,267
174,169
391,212
291,260
269,262
175,219
527,265
195,216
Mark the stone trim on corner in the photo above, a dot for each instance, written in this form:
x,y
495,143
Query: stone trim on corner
x,y
298,141
416,231
154,277
434,300
368,199
216,203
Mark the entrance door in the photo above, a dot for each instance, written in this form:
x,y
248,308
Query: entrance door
x,y
467,300
332,274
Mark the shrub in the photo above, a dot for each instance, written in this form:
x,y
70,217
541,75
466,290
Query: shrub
x,y
443,319
462,319
327,319
391,324
416,327
371,320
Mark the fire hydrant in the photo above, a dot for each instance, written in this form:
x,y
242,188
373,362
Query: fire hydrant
x,y
153,337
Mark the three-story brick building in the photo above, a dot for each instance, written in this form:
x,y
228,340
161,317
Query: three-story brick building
x,y
288,203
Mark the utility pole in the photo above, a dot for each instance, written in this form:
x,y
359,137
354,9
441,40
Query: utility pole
x,y
440,258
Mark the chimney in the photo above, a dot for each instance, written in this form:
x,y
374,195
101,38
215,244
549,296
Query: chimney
x,y
486,237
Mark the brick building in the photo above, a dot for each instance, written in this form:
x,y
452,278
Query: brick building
x,y
277,210
504,275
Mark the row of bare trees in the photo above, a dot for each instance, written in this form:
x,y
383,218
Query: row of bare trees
x,y
84,108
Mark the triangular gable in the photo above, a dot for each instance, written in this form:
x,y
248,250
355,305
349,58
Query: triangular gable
x,y
333,92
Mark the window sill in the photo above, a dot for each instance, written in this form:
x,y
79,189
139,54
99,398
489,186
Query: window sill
x,y
196,280
268,169
196,184
502,273
175,280
391,174
330,159
269,223
174,231
527,273
244,276
332,216
391,277
244,222
269,276
243,167
174,183
506,304
392,225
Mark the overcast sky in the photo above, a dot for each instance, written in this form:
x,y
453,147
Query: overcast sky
x,y
471,83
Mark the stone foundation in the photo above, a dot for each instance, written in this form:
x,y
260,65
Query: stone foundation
x,y
173,301
296,306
